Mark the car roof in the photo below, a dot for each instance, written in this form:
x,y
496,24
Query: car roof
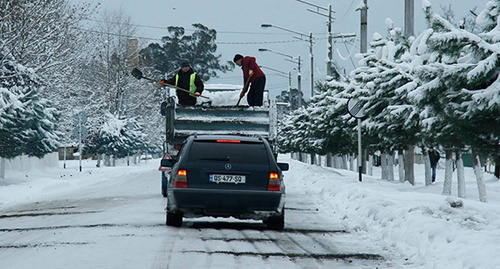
x,y
229,137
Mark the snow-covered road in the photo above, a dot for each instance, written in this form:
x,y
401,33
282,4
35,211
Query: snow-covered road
x,y
118,222
113,217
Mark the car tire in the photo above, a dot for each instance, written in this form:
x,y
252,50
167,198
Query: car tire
x,y
174,219
276,222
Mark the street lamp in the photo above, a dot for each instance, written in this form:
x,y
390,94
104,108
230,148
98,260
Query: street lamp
x,y
310,48
299,75
283,74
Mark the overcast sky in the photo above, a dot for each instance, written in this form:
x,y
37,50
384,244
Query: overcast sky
x,y
238,25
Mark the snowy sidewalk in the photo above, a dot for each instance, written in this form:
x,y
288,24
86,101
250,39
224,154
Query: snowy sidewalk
x,y
416,226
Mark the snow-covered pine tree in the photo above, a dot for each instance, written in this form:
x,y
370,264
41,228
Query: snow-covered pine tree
x,y
385,75
332,125
484,107
461,91
324,126
438,95
120,137
46,36
27,121
293,132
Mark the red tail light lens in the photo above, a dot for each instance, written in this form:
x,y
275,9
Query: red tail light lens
x,y
227,141
274,182
181,179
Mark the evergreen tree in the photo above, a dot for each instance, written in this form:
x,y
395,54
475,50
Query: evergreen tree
x,y
46,36
464,84
385,78
120,137
198,49
293,132
334,129
27,122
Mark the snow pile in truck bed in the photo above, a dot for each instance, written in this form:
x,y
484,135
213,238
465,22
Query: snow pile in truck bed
x,y
224,95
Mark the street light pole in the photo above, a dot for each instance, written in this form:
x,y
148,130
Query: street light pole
x,y
310,49
299,75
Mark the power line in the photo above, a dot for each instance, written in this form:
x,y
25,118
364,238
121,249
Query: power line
x,y
255,42
217,42
192,30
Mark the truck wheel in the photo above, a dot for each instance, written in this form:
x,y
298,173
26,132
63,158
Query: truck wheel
x,y
174,220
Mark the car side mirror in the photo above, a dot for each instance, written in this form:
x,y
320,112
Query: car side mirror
x,y
167,163
283,166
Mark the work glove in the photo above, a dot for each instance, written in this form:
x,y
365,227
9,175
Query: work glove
x,y
163,82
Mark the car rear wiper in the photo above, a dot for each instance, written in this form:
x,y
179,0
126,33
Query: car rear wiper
x,y
222,159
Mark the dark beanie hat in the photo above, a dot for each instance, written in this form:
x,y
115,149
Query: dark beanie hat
x,y
184,64
237,57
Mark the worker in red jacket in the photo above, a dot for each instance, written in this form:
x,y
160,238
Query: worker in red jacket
x,y
253,77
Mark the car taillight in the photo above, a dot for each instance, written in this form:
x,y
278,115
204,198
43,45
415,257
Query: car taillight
x,y
227,141
274,182
181,179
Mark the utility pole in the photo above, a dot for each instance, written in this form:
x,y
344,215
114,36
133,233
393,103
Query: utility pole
x,y
409,153
299,75
409,18
312,62
364,27
329,67
299,82
311,42
363,49
290,89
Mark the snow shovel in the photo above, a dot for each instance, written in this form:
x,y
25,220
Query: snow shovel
x,y
245,88
138,75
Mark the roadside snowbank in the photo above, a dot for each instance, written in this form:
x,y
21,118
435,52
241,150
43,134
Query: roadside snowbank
x,y
415,226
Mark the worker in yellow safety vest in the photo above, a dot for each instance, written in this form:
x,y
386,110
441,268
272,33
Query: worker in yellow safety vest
x,y
186,79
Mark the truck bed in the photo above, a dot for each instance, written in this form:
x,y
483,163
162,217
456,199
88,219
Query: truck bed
x,y
183,121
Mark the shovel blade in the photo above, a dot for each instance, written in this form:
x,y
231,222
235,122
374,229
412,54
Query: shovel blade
x,y
136,73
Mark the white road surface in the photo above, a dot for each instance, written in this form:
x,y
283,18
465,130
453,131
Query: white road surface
x,y
119,222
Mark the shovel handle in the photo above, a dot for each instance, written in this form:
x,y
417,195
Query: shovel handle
x,y
184,90
138,74
245,88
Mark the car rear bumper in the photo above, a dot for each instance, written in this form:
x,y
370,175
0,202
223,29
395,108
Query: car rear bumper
x,y
226,203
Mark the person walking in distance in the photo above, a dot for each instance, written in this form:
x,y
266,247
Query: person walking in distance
x,y
253,78
186,79
434,159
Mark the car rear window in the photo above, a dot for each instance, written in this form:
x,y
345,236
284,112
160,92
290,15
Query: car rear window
x,y
254,153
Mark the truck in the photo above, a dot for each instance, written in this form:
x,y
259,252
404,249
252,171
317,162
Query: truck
x,y
218,116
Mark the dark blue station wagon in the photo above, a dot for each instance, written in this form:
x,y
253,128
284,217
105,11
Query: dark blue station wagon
x,y
226,176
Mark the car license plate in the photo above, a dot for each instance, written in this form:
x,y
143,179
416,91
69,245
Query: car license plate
x,y
235,179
